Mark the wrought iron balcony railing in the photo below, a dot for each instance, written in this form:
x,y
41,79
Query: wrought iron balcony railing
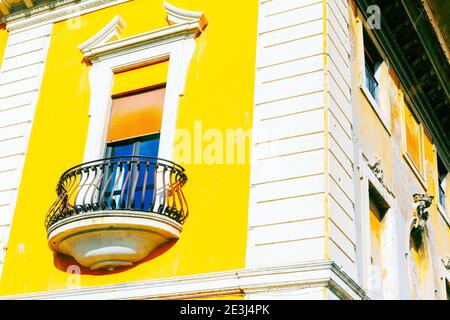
x,y
141,184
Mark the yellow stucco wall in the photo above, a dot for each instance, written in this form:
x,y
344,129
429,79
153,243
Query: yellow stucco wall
x,y
3,40
219,92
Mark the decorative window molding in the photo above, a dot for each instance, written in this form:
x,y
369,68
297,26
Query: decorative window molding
x,y
377,106
55,11
379,183
373,186
112,30
418,172
176,15
175,43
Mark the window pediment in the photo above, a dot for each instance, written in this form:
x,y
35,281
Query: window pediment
x,y
182,23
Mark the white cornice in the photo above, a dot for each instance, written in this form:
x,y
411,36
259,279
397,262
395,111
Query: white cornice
x,y
112,30
177,15
54,12
243,281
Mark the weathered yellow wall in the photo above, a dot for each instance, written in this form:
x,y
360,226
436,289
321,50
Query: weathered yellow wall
x,y
219,92
3,40
388,145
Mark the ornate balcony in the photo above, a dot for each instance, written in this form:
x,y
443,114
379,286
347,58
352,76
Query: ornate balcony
x,y
114,212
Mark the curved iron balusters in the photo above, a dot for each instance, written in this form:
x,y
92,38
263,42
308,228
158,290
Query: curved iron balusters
x,y
133,183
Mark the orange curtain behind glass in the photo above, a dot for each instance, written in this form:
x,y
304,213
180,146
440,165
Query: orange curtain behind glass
x,y
136,115
138,100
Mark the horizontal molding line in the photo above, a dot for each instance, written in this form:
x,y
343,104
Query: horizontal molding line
x,y
27,40
340,109
289,61
291,114
16,80
19,93
288,179
290,97
8,57
293,76
330,133
242,281
346,61
343,45
291,154
54,12
15,124
256,226
342,190
15,107
10,189
340,206
339,70
11,138
347,95
289,137
293,9
293,40
289,241
22,66
342,250
341,165
289,26
343,15
292,197
342,232
339,19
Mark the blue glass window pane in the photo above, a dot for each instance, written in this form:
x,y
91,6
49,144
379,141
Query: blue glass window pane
x,y
149,146
121,149
144,146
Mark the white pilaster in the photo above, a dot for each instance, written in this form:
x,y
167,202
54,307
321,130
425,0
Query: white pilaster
x,y
21,75
301,188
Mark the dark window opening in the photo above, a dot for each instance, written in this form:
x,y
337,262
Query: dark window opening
x,y
442,175
372,61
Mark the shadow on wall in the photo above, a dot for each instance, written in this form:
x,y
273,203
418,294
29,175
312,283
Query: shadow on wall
x,y
420,266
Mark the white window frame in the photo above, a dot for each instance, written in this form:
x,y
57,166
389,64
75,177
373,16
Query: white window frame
x,y
445,212
418,172
175,43
384,100
390,249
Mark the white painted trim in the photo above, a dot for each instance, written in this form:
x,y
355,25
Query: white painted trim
x,y
54,12
176,15
175,43
404,148
415,170
390,251
27,134
111,30
242,281
154,38
444,214
361,26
